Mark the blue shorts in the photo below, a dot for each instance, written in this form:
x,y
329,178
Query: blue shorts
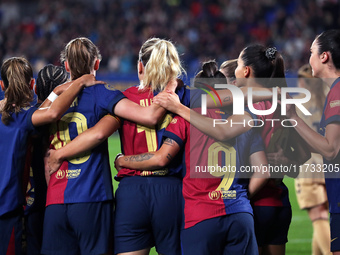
x,y
230,234
34,221
11,232
148,213
272,224
82,228
335,231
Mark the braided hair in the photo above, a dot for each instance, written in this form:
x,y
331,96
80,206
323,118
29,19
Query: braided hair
x,y
48,78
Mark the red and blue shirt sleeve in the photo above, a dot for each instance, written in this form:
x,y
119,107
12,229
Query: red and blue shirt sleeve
x,y
332,107
177,130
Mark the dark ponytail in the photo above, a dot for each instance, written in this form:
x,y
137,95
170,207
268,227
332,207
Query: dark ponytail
x,y
266,62
330,41
209,70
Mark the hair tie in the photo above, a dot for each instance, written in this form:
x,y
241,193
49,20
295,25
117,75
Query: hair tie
x,y
270,53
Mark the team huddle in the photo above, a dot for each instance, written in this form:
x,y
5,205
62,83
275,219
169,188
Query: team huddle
x,y
55,153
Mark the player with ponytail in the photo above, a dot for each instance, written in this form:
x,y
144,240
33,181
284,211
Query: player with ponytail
x,y
18,121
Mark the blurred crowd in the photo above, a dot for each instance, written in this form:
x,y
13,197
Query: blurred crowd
x,y
200,29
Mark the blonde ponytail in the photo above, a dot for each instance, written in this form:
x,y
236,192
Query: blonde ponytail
x,y
161,62
16,74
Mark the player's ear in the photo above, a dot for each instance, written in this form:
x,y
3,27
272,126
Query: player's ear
x,y
2,85
32,84
140,67
96,64
325,57
246,71
66,66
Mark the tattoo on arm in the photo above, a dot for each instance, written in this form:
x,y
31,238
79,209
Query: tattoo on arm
x,y
226,99
169,141
169,157
139,158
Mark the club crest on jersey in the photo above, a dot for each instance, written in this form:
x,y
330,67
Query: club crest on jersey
x,y
174,121
110,87
214,195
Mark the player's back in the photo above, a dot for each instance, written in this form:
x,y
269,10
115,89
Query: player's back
x,y
137,139
331,114
13,147
207,191
86,178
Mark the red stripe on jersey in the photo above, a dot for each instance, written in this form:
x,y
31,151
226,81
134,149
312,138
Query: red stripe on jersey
x,y
270,194
333,102
57,186
137,139
11,244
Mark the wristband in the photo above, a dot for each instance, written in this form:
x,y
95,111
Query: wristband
x,y
119,155
53,96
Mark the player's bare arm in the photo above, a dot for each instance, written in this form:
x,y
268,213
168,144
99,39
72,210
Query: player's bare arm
x,y
151,160
260,177
86,141
146,116
63,102
328,146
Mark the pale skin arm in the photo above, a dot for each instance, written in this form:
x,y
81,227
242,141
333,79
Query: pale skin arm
x,y
57,90
151,160
259,178
258,94
328,146
106,127
87,140
158,159
146,116
62,103
221,132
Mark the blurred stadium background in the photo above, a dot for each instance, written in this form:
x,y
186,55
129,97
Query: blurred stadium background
x,y
200,29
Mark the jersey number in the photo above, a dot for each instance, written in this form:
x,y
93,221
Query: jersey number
x,y
62,133
230,163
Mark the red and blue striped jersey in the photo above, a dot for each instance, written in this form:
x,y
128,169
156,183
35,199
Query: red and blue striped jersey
x,y
86,178
208,193
331,114
137,139
274,193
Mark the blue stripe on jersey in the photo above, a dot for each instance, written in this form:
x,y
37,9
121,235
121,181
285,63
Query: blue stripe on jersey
x,y
173,137
184,97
